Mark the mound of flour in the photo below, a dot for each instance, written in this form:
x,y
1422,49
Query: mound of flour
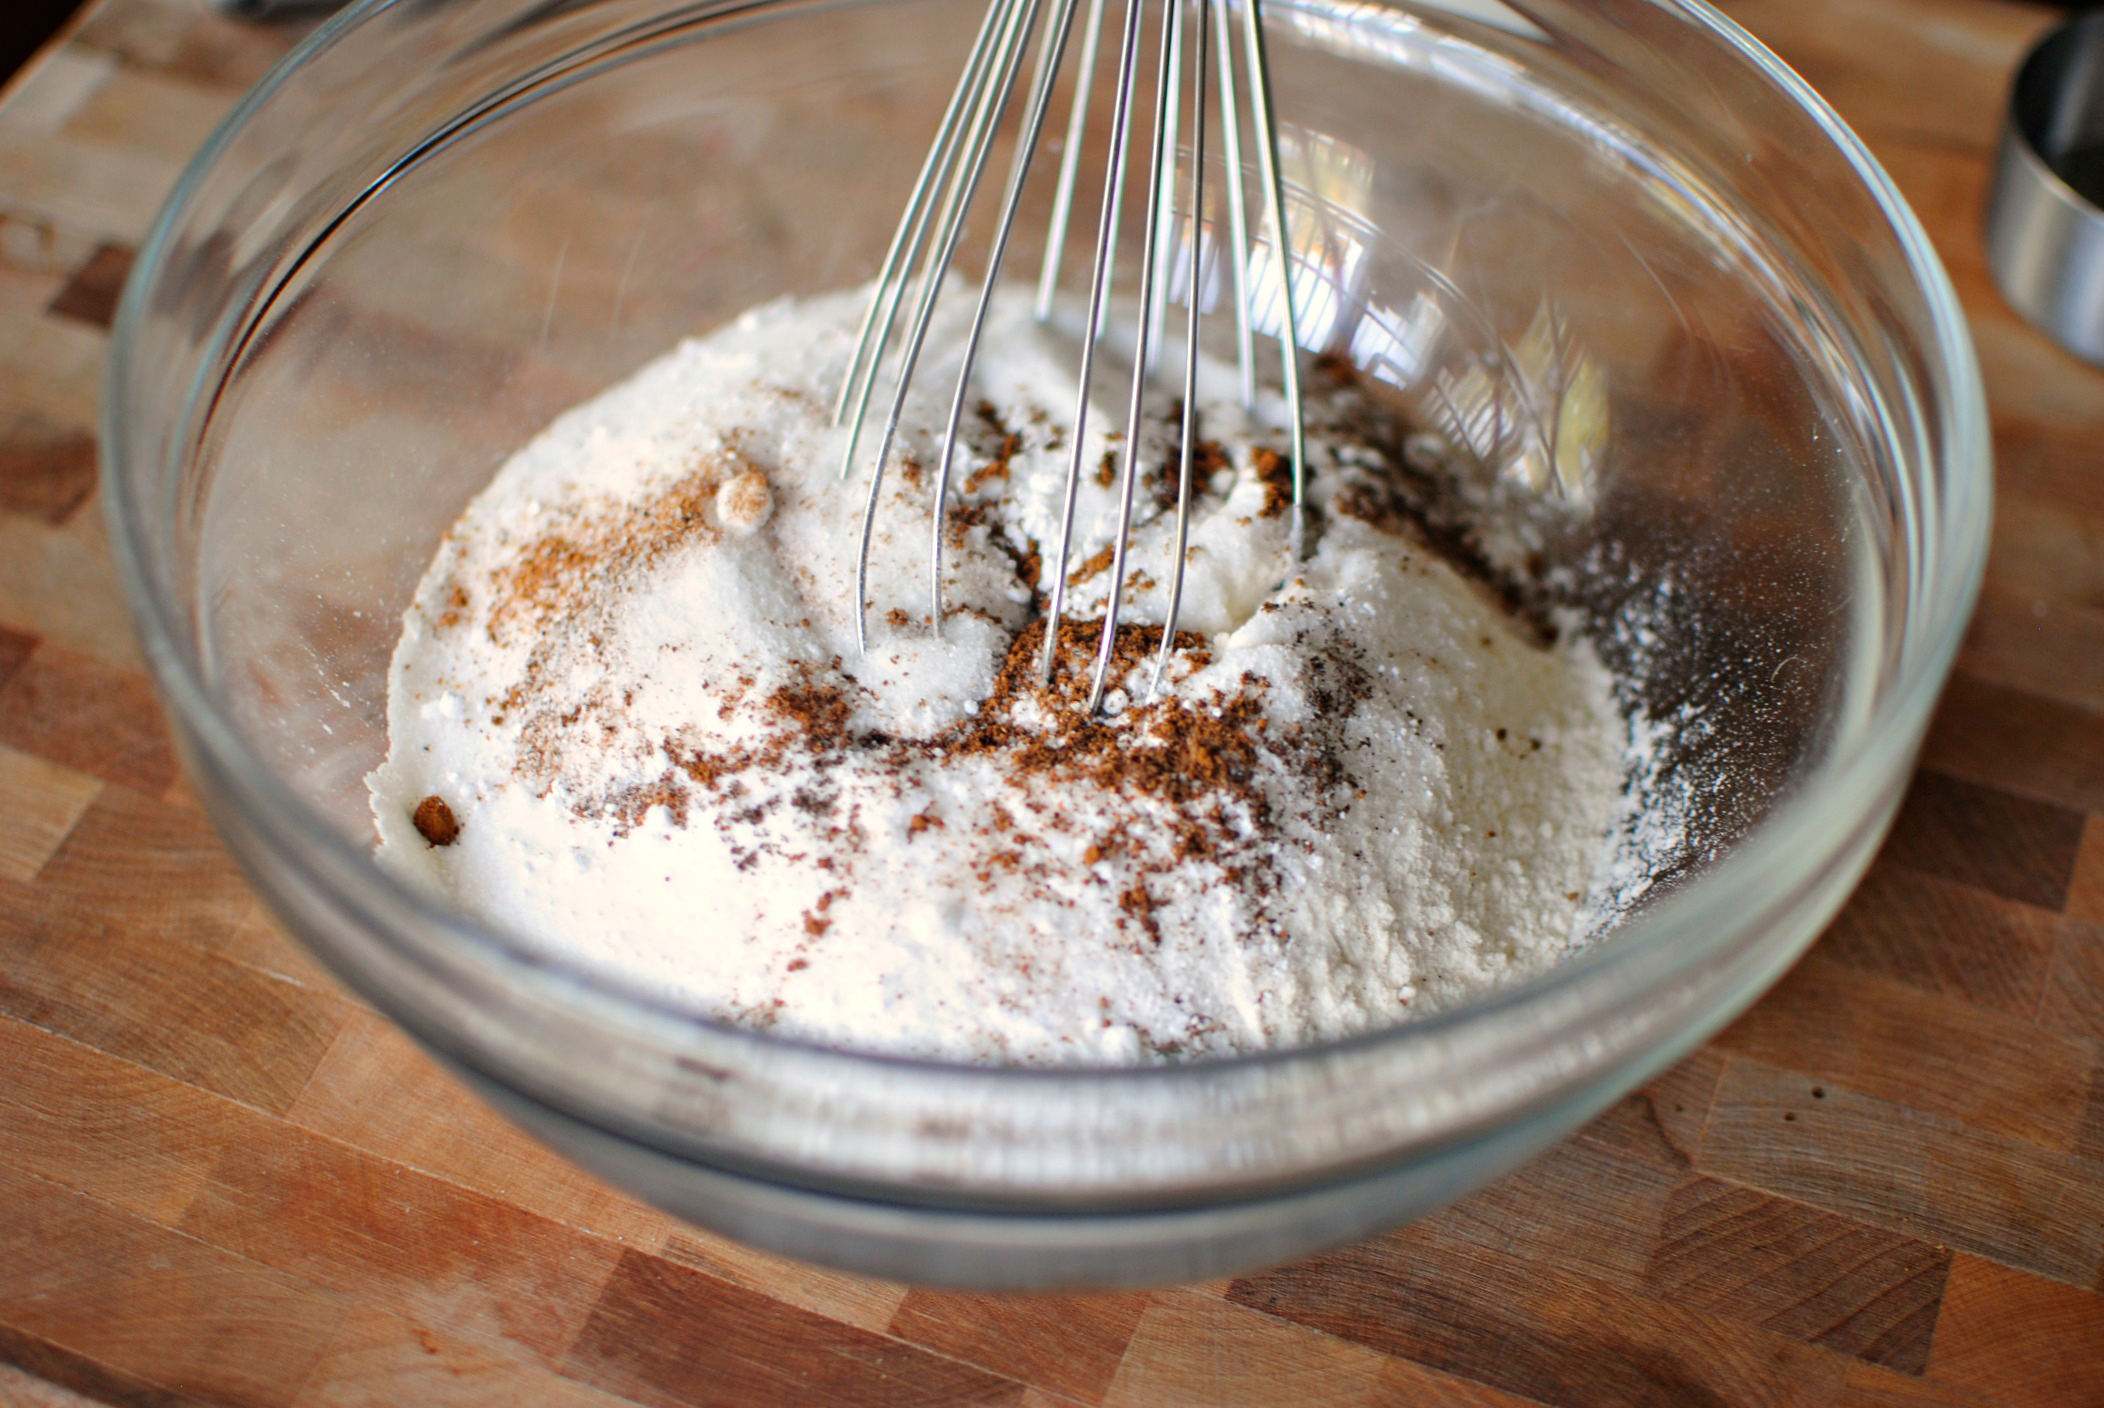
x,y
628,721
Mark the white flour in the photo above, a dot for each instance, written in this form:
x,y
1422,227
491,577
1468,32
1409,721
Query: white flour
x,y
629,677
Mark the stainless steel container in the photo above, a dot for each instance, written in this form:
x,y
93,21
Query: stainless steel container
x,y
2045,230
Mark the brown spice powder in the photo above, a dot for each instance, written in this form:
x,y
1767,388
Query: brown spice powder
x,y
1094,565
1201,760
1275,472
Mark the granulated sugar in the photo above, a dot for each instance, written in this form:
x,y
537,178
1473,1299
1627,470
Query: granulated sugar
x,y
629,722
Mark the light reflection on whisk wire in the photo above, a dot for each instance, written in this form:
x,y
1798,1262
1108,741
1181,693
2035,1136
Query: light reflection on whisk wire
x,y
955,162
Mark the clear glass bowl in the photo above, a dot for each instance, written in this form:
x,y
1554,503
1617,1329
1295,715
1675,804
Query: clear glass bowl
x,y
1616,251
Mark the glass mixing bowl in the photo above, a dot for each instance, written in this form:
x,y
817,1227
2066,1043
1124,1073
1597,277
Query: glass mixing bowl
x,y
1660,303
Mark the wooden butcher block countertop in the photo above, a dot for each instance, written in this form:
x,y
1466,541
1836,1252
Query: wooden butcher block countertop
x,y
222,1180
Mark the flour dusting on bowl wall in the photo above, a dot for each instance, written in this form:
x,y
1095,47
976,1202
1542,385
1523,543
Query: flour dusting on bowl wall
x,y
1644,445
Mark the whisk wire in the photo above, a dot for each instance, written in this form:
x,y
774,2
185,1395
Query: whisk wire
x,y
1275,195
1099,297
1069,162
1161,163
1018,19
931,228
1237,208
1189,428
1164,214
1056,35
905,241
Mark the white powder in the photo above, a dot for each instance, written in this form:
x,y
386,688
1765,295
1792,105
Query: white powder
x,y
630,677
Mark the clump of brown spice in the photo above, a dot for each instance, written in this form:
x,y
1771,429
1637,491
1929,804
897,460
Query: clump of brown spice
x,y
435,822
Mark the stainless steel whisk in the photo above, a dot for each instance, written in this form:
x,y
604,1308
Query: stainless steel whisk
x,y
929,232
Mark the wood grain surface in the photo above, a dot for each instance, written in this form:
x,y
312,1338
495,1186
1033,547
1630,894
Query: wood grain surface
x,y
224,1181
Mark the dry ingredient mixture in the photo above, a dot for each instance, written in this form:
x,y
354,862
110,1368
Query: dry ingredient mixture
x,y
628,720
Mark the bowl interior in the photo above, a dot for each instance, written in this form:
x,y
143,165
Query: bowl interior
x,y
1626,295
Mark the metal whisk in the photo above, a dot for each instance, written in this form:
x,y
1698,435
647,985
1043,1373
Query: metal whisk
x,y
926,242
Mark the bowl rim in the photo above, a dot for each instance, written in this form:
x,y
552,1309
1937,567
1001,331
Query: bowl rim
x,y
1677,935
